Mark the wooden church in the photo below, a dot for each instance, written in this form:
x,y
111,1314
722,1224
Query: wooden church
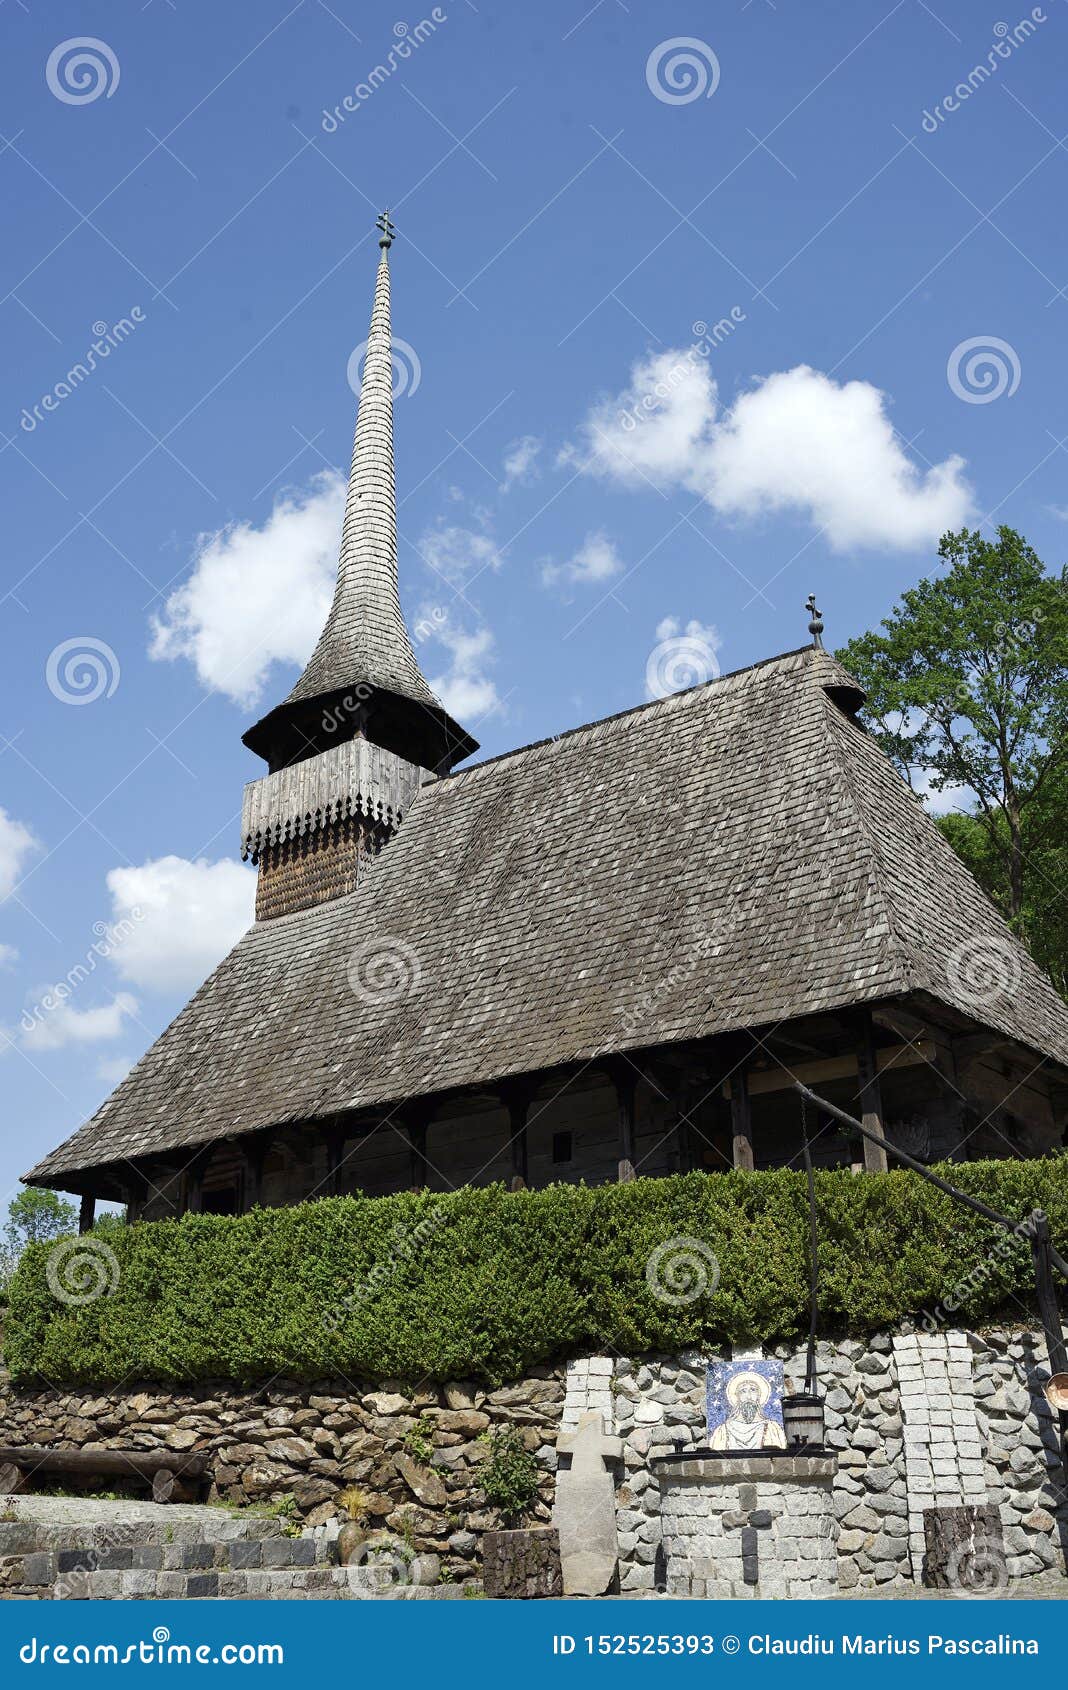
x,y
601,956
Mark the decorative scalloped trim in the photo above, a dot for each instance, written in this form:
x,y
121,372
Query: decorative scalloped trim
x,y
285,828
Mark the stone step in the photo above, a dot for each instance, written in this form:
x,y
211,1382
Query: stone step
x,y
317,1582
43,1567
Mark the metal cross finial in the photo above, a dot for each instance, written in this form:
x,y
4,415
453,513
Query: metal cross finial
x,y
386,230
815,626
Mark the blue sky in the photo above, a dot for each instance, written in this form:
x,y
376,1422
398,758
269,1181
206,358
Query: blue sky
x,y
584,475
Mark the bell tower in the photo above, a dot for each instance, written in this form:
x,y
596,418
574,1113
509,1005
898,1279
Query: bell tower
x,y
361,731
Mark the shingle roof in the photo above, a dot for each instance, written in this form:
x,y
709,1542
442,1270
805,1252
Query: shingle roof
x,y
736,855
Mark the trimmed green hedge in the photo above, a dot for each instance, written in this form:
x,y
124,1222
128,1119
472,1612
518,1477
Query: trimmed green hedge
x,y
489,1283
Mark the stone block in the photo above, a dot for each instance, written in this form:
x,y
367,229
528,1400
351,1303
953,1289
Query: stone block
x,y
244,1554
522,1565
201,1586
38,1569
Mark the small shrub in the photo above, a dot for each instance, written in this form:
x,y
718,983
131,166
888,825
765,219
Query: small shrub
x,y
509,1475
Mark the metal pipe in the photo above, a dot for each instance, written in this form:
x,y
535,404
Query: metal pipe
x,y
919,1168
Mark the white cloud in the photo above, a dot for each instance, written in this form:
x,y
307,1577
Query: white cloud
x,y
16,844
184,916
520,462
458,553
113,1069
54,1022
466,690
8,956
257,596
951,800
796,441
596,560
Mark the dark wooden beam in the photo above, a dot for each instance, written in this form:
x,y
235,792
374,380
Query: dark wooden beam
x,y
624,1078
193,1181
870,1092
415,1120
739,1050
516,1097
253,1156
86,1214
334,1139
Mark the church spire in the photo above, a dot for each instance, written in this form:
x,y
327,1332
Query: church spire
x,y
363,678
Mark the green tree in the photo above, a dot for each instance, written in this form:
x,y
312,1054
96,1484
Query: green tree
x,y
968,686
33,1217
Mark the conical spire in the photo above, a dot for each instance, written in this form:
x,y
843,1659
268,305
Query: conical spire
x,y
365,653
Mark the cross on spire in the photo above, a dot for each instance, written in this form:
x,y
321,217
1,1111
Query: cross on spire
x,y
815,626
387,232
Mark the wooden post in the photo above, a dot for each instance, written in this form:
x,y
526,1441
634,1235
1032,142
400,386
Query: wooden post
x,y
516,1097
625,1080
253,1155
194,1182
86,1214
135,1191
334,1137
871,1100
740,1057
416,1127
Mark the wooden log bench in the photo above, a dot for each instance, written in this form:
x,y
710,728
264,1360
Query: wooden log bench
x,y
172,1477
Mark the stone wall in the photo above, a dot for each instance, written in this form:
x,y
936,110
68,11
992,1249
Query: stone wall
x,y
908,1418
415,1455
912,1420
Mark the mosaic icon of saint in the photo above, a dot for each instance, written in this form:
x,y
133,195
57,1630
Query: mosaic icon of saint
x,y
747,1426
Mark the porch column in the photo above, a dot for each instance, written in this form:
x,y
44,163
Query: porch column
x,y
193,1196
740,1057
135,1193
334,1138
516,1097
624,1078
253,1155
86,1214
870,1093
415,1121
